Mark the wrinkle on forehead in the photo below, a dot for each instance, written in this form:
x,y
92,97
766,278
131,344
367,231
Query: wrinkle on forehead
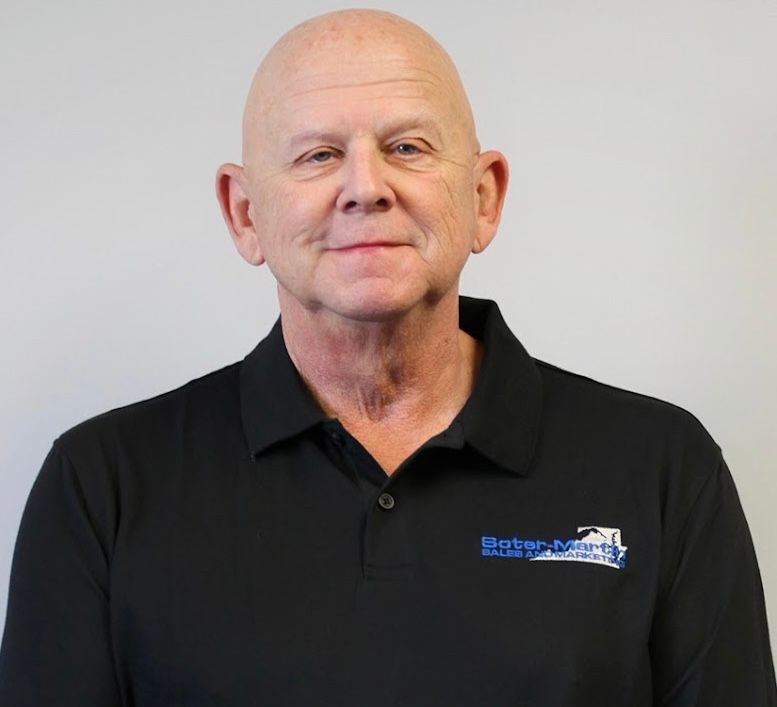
x,y
337,85
301,60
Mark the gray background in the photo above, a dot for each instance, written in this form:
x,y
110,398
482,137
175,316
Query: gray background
x,y
639,243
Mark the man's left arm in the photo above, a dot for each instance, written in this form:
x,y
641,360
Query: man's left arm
x,y
710,644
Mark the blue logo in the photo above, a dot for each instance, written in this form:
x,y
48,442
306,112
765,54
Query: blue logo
x,y
592,544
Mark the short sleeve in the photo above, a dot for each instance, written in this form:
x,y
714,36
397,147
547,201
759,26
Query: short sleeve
x,y
56,646
709,643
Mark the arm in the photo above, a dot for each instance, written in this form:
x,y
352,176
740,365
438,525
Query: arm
x,y
57,645
709,644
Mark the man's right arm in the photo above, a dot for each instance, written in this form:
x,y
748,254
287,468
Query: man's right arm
x,y
56,647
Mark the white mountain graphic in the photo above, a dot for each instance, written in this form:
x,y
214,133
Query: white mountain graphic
x,y
597,534
606,541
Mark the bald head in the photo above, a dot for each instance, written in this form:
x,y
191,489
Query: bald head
x,y
362,185
351,47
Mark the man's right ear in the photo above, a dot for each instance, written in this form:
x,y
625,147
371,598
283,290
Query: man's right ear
x,y
232,193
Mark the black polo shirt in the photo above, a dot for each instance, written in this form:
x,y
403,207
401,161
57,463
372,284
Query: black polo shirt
x,y
562,543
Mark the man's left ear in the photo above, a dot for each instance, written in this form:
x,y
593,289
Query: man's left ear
x,y
490,178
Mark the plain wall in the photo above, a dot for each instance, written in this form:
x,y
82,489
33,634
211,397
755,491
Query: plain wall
x,y
639,243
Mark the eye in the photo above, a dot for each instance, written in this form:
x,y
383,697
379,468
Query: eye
x,y
407,149
320,156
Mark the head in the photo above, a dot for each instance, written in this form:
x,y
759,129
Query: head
x,y
363,186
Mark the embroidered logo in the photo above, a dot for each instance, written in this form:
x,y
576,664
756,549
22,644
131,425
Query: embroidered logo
x,y
592,544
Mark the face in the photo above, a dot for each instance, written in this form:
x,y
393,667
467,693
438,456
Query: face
x,y
362,184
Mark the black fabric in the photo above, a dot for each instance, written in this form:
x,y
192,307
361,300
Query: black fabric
x,y
228,544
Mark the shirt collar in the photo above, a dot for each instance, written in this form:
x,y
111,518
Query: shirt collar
x,y
500,420
275,404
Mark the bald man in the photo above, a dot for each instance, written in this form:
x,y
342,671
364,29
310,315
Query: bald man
x,y
364,190
388,502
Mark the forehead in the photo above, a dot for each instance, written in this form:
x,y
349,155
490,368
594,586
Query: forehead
x,y
328,75
354,77
348,97
327,81
367,75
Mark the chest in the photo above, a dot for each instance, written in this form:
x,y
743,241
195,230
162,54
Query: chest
x,y
296,585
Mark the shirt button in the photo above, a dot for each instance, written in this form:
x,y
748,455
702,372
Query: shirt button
x,y
386,501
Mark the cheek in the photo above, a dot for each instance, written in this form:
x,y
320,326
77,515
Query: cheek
x,y
452,213
288,218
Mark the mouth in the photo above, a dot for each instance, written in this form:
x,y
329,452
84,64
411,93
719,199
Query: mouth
x,y
367,246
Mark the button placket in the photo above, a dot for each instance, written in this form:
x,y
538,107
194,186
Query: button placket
x,y
387,551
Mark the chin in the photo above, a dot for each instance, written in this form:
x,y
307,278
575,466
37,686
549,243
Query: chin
x,y
375,304
367,312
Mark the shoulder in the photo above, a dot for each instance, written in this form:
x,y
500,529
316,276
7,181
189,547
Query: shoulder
x,y
157,421
627,426
604,403
107,468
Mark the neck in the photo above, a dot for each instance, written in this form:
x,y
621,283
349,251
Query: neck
x,y
410,373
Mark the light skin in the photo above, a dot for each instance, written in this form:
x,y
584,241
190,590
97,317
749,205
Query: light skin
x,y
364,190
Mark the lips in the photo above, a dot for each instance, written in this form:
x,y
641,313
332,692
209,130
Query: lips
x,y
367,245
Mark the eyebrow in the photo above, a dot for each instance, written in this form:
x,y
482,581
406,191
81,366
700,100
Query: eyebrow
x,y
421,122
311,136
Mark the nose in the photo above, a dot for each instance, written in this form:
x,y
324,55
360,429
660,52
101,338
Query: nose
x,y
365,188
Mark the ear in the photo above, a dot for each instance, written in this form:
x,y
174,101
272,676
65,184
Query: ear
x,y
232,193
491,177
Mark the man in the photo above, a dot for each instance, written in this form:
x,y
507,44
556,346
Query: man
x,y
387,502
